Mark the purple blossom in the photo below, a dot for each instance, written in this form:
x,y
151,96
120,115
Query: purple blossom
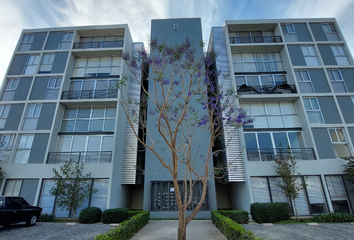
x,y
208,62
126,57
133,64
199,74
189,94
153,43
149,61
176,83
142,53
158,61
165,82
203,121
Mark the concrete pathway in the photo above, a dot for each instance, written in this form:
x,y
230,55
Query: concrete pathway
x,y
167,230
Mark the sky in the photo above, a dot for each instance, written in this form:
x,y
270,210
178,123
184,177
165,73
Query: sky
x,y
16,15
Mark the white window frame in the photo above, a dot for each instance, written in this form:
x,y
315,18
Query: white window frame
x,y
299,74
53,87
10,88
32,115
270,61
47,63
339,53
336,80
21,146
309,53
290,25
314,109
4,112
6,141
66,39
330,31
32,61
339,141
27,41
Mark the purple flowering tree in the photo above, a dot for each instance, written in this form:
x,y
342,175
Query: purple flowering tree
x,y
186,106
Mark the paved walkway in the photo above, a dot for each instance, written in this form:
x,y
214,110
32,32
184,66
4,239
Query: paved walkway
x,y
167,230
324,231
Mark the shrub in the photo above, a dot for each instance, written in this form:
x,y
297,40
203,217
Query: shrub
x,y
334,217
127,228
133,213
270,212
230,229
44,217
90,215
238,216
116,215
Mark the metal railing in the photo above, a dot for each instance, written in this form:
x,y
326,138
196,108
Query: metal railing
x,y
81,157
260,39
266,89
90,94
269,154
102,44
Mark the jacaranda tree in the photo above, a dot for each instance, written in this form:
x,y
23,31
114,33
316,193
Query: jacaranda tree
x,y
185,105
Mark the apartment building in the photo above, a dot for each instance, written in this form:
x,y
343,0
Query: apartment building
x,y
295,77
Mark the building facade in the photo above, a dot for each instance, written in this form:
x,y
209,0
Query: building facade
x,y
294,76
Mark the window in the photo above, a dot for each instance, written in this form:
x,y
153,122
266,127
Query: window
x,y
6,142
13,187
101,42
26,43
261,80
4,112
339,143
92,89
10,89
313,110
289,33
257,62
253,37
87,119
97,67
66,38
337,80
339,54
32,115
330,31
47,63
272,115
337,192
23,148
309,55
31,65
304,81
53,88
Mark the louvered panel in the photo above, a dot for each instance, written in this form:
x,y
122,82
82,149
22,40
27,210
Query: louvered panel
x,y
260,191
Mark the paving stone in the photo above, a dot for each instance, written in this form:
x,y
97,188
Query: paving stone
x,y
312,224
114,225
267,224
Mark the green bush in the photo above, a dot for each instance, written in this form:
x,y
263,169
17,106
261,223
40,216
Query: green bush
x,y
238,216
334,217
90,215
270,212
133,213
116,215
231,230
127,228
44,217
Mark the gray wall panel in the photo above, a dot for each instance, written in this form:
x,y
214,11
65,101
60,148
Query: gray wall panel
x,y
46,117
347,107
14,117
38,149
22,89
29,189
319,81
351,133
39,88
18,64
318,32
59,62
327,55
297,58
329,110
53,41
302,32
348,76
323,143
38,41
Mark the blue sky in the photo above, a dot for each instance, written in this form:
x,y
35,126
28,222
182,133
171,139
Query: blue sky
x,y
16,15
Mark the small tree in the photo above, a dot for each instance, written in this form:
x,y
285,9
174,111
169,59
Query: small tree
x,y
286,168
349,168
71,186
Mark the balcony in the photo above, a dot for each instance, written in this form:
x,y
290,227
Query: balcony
x,y
80,157
90,94
260,39
101,44
266,89
268,154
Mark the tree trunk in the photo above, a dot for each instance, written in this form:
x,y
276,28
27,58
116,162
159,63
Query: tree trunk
x,y
74,215
181,231
297,216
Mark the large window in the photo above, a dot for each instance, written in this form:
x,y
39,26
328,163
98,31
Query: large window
x,y
10,89
309,55
47,63
338,194
66,38
313,110
31,64
340,55
339,143
97,67
304,81
257,62
89,119
6,142
26,42
32,115
53,88
92,89
289,33
13,187
4,112
253,37
337,80
23,148
330,31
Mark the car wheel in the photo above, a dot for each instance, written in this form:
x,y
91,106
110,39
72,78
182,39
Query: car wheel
x,y
32,220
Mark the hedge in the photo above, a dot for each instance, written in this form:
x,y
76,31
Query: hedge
x,y
116,215
90,215
231,230
238,216
334,217
127,228
133,213
45,217
270,212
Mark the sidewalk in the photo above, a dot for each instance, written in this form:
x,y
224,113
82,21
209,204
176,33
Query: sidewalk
x,y
167,230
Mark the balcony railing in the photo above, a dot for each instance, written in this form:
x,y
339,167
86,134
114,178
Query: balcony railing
x,y
104,44
268,154
81,157
90,94
260,39
266,89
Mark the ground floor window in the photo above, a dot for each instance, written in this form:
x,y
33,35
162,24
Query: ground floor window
x,y
338,194
163,196
48,202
